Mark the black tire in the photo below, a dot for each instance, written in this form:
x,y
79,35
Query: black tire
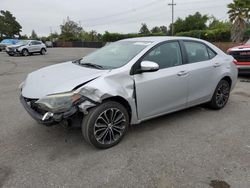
x,y
25,52
109,130
11,54
43,51
221,95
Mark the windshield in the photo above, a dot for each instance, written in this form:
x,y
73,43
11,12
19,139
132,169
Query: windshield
x,y
22,42
8,41
116,54
248,42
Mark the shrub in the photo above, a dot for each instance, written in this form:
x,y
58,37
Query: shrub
x,y
222,35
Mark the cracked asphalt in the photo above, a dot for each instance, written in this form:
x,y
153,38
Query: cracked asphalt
x,y
196,148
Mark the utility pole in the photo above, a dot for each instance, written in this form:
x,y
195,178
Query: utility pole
x,y
172,4
50,33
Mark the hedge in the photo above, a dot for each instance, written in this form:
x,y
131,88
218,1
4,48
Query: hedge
x,y
112,37
222,35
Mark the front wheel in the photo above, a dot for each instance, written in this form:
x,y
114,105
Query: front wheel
x,y
43,51
221,95
105,125
25,52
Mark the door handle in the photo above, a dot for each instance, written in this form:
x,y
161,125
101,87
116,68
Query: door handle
x,y
182,73
217,65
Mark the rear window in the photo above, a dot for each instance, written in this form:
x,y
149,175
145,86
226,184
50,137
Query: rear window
x,y
196,52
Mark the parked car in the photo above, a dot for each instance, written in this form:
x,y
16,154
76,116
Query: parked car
x,y
6,42
26,47
242,56
49,44
128,82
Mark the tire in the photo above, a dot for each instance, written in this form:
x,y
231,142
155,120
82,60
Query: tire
x,y
221,95
11,54
25,52
105,125
43,51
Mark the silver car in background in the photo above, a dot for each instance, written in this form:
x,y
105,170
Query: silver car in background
x,y
26,47
128,82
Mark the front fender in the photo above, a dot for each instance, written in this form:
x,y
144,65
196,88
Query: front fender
x,y
102,88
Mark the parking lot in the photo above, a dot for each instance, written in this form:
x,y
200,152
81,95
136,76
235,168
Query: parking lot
x,y
193,148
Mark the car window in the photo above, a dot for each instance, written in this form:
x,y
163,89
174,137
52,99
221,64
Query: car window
x,y
166,55
196,51
211,53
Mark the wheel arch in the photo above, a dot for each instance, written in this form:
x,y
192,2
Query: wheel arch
x,y
229,79
122,101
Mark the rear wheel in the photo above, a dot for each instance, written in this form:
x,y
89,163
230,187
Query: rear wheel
x,y
221,95
105,125
25,52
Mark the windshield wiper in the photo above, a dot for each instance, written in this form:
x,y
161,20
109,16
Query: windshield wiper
x,y
91,65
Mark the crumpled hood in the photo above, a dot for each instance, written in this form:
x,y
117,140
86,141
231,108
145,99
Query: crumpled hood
x,y
58,78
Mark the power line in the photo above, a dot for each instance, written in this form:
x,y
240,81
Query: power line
x,y
123,12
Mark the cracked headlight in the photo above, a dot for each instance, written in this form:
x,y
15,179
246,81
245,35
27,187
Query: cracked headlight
x,y
58,102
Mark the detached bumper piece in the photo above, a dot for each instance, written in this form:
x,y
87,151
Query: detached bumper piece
x,y
43,117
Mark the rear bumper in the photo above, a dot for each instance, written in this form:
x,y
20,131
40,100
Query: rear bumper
x,y
56,118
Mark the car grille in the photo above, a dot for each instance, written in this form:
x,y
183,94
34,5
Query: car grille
x,y
34,106
241,56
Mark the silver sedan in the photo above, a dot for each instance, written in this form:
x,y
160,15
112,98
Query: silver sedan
x,y
128,82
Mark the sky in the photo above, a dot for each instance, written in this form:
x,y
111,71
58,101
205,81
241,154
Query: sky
x,y
123,16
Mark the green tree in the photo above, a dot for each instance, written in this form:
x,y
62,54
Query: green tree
x,y
164,29
191,22
33,35
144,29
156,30
217,24
238,15
9,27
70,31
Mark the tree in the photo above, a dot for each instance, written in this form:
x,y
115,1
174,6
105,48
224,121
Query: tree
x,y
191,22
9,27
156,30
144,29
53,37
217,24
238,15
164,29
33,35
70,31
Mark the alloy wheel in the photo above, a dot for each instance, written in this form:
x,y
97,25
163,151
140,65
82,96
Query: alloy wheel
x,y
222,94
109,126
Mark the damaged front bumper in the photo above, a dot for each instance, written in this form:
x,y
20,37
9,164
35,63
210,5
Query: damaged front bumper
x,y
44,117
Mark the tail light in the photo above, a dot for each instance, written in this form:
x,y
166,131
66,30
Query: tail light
x,y
235,61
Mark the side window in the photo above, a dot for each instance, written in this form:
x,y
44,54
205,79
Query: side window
x,y
211,53
196,52
166,55
32,43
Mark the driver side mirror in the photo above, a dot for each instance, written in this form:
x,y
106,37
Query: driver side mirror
x,y
149,66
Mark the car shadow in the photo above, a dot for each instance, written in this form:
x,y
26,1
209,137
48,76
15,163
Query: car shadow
x,y
63,143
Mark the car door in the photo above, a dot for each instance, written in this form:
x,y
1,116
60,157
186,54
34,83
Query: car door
x,y
166,89
203,71
32,46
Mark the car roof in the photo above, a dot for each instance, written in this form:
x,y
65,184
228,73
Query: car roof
x,y
160,39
